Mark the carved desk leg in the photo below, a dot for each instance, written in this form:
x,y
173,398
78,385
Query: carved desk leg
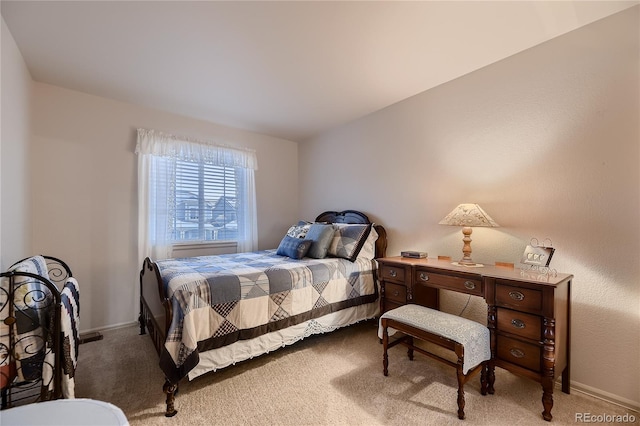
x,y
491,369
548,370
483,378
410,348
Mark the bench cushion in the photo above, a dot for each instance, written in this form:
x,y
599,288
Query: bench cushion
x,y
474,336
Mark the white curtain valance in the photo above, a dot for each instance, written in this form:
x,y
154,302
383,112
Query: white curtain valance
x,y
162,144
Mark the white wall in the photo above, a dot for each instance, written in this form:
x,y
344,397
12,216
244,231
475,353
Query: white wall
x,y
84,190
547,142
14,153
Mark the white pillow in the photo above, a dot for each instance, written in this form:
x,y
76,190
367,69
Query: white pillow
x,y
368,250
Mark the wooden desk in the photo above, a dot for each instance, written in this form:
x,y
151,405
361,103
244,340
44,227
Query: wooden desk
x,y
528,313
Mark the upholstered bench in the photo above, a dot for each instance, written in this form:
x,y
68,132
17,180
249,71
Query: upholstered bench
x,y
469,340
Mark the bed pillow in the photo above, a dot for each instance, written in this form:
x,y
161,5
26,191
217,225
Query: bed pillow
x,y
321,236
348,240
368,250
300,230
295,248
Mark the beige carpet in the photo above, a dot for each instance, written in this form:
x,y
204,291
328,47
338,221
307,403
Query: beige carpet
x,y
331,379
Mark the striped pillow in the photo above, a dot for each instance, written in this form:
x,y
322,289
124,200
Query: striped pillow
x,y
348,240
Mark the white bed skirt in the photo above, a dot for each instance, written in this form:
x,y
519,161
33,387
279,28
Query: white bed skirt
x,y
245,349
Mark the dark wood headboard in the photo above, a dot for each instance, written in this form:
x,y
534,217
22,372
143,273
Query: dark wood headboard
x,y
354,216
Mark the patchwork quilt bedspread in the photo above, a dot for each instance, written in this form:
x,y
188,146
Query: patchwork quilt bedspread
x,y
218,300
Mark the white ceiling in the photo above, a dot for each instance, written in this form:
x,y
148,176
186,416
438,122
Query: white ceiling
x,y
286,69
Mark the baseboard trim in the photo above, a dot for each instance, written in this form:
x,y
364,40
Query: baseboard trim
x,y
110,327
605,396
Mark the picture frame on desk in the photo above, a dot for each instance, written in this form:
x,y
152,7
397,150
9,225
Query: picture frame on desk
x,y
537,256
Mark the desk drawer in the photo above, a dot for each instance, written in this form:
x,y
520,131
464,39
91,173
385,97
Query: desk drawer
x,y
520,324
395,292
460,284
519,353
518,297
392,273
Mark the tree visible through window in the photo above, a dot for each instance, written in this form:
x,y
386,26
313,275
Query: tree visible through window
x,y
205,202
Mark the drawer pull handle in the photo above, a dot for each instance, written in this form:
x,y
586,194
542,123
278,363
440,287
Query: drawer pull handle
x,y
396,293
516,353
517,323
424,277
469,285
393,273
516,295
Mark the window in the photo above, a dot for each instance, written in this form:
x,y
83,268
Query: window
x,y
191,191
205,202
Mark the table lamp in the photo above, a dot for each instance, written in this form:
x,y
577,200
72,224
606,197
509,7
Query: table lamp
x,y
468,215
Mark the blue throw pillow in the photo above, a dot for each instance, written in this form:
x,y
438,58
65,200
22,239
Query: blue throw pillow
x,y
295,248
321,235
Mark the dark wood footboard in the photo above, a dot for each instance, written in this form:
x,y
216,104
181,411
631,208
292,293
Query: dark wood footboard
x,y
155,312
155,316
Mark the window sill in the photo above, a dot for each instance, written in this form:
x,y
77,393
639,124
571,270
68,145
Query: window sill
x,y
203,248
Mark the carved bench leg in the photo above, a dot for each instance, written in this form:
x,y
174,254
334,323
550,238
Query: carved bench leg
x,y
385,344
461,380
461,402
170,389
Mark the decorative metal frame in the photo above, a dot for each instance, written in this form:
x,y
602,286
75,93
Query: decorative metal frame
x,y
36,299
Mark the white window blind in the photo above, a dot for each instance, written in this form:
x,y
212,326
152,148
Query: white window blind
x,y
205,202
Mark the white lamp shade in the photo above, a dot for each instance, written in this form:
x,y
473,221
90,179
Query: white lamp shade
x,y
468,215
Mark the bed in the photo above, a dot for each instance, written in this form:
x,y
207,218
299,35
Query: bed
x,y
209,312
